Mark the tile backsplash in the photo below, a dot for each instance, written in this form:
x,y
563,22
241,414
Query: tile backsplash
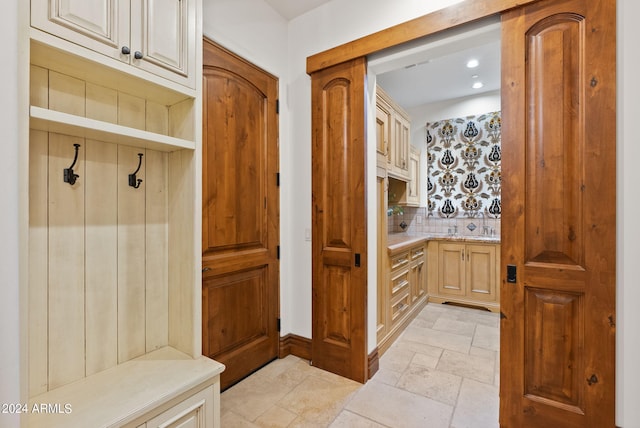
x,y
417,220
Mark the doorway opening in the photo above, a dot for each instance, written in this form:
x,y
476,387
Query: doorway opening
x,y
431,83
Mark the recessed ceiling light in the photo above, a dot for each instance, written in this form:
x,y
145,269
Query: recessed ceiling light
x,y
472,63
477,85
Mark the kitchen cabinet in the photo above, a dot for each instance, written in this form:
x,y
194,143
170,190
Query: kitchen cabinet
x,y
413,185
114,226
157,36
466,274
394,123
405,291
407,193
417,277
383,132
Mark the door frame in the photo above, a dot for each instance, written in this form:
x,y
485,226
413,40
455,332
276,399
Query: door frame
x,y
431,24
426,25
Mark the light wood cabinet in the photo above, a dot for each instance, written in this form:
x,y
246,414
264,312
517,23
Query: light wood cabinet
x,y
400,144
413,185
394,124
383,132
153,35
114,289
405,292
466,273
407,193
418,278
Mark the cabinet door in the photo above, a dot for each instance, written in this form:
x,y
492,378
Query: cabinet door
x,y
418,278
451,269
400,146
413,185
162,35
383,121
481,272
100,25
195,412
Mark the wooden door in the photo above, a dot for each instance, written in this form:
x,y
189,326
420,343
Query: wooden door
x,y
339,255
559,171
240,214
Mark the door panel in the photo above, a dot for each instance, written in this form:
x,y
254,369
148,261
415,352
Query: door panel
x,y
100,25
240,214
162,27
481,272
451,269
339,220
558,322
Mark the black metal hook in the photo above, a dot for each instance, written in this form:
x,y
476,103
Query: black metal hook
x,y
133,180
68,175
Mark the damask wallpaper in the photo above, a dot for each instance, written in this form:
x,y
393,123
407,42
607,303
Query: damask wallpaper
x,y
463,161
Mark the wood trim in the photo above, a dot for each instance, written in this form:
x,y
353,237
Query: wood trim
x,y
434,22
292,344
373,362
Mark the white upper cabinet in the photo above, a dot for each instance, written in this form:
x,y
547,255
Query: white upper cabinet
x,y
154,35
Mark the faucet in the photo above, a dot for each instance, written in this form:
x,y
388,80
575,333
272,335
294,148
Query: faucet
x,y
485,228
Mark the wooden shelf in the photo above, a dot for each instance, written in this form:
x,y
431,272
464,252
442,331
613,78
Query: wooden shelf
x,y
120,395
68,124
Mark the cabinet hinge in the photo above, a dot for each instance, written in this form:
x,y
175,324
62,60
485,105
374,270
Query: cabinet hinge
x,y
278,324
278,106
278,179
278,252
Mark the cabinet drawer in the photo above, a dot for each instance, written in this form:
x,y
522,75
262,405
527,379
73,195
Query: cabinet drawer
x,y
417,253
399,260
399,282
400,305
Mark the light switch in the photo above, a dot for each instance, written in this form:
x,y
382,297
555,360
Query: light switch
x,y
307,234
418,219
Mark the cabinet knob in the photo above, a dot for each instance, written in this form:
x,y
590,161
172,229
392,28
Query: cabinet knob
x,y
125,50
137,55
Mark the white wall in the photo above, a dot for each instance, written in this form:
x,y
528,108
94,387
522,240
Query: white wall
x,y
628,207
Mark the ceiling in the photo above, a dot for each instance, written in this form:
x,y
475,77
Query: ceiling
x,y
432,69
290,9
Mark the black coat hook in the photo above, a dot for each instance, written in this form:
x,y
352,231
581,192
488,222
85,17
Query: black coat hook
x,y
133,180
68,175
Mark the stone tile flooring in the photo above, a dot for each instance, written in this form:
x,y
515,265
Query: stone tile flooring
x,y
443,371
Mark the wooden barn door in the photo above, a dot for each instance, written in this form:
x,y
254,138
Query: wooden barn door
x,y
558,251
240,218
339,220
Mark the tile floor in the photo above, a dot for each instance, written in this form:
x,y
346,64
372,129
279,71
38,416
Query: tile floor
x,y
442,372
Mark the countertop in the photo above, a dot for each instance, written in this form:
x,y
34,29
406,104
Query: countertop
x,y
396,241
